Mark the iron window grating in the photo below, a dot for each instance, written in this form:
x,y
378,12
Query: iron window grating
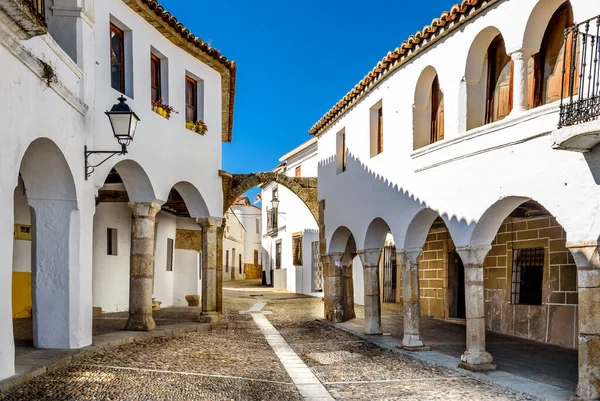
x,y
527,276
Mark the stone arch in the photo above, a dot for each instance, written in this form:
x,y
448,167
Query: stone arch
x,y
305,188
51,194
538,22
136,181
422,108
376,234
475,77
419,227
193,199
341,240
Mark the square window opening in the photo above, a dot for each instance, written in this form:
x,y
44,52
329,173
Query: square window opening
x,y
527,276
376,129
194,98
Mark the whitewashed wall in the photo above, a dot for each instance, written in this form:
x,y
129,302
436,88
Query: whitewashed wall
x,y
164,281
233,239
462,176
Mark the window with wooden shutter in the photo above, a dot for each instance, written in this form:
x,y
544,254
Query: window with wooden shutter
x,y
343,151
299,171
547,79
500,82
155,78
437,112
191,99
117,58
297,249
380,130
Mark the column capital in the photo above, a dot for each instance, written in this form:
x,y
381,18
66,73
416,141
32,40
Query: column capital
x,y
370,257
144,209
412,254
206,222
522,54
336,258
473,255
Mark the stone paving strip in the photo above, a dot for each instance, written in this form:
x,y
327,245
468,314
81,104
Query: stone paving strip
x,y
305,381
499,378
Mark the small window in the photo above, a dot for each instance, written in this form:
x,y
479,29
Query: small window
x,y
233,259
155,78
170,247
240,263
299,171
278,255
191,99
341,151
117,58
227,260
111,241
376,128
255,258
527,276
297,249
257,226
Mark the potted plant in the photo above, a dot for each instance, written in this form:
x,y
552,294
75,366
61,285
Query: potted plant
x,y
199,126
163,109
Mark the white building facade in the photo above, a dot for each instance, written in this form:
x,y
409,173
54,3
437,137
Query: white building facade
x,y
451,146
118,234
290,234
251,218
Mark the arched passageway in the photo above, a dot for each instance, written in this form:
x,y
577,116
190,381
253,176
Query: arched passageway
x,y
339,285
45,263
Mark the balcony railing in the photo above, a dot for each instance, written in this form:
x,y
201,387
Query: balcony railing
x,y
38,8
272,222
580,100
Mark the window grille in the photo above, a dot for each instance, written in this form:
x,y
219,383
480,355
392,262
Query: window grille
x,y
390,274
278,255
527,276
297,249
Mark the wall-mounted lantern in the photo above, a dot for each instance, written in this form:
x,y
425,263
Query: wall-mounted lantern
x,y
123,122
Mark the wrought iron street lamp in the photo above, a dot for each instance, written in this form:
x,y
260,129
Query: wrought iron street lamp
x,y
275,202
123,122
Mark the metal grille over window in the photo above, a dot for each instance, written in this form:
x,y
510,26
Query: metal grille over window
x,y
390,274
317,267
272,223
278,255
39,9
527,276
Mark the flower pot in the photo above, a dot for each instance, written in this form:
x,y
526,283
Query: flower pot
x,y
160,111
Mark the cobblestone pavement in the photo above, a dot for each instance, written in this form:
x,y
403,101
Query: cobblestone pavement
x,y
237,363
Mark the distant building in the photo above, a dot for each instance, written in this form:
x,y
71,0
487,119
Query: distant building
x,y
250,217
290,235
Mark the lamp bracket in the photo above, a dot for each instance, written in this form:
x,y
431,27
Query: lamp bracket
x,y
89,168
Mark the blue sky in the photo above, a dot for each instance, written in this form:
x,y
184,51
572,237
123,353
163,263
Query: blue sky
x,y
295,60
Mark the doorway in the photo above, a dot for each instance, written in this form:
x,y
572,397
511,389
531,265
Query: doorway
x,y
457,285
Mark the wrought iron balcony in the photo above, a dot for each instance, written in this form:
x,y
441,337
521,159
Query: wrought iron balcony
x,y
38,8
580,101
26,18
272,222
579,122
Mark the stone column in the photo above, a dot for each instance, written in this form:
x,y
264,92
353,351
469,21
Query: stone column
x,y
520,59
370,259
141,270
412,340
338,286
587,258
475,358
210,267
219,282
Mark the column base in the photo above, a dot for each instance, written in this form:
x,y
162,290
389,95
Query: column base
x,y
477,368
414,349
140,323
209,317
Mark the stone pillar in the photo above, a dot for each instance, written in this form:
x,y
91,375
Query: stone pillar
x,y
370,259
141,269
219,282
587,258
339,289
211,267
412,340
520,59
475,358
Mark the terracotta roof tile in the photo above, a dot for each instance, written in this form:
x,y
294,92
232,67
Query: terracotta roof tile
x,y
396,58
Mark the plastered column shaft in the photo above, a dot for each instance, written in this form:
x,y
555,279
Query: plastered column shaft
x,y
141,266
339,290
520,59
219,282
475,357
588,282
410,294
370,260
210,264
54,259
7,343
